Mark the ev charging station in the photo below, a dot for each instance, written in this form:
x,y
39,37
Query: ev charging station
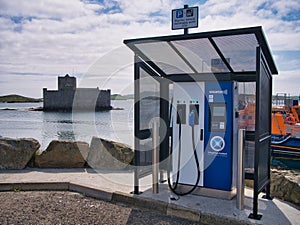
x,y
205,121
190,84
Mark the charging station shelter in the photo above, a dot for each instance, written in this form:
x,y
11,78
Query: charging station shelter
x,y
190,82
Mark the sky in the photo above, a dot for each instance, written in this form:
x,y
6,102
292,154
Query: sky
x,y
43,39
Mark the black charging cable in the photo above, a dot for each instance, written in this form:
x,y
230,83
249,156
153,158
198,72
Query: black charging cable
x,y
173,188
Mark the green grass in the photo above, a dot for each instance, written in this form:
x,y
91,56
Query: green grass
x,y
119,97
18,98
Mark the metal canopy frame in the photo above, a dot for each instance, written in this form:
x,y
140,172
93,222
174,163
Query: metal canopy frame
x,y
216,44
244,56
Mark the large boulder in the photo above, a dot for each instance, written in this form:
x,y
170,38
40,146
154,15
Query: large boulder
x,y
109,155
63,154
285,184
16,153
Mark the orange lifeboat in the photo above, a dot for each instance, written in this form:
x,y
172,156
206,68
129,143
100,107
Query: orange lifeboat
x,y
290,119
278,124
247,117
296,112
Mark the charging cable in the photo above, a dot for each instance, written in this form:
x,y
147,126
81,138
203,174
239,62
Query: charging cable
x,y
173,188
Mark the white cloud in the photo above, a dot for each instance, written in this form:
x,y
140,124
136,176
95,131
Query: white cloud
x,y
142,9
54,9
284,7
58,37
21,85
287,82
223,14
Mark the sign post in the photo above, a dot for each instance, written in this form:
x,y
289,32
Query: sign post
x,y
185,18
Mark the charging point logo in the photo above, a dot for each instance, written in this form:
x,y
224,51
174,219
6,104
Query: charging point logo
x,y
217,143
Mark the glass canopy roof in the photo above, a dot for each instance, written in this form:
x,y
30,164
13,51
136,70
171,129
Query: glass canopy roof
x,y
209,52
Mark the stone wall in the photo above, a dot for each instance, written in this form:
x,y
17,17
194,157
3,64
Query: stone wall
x,y
68,97
103,100
105,154
16,153
101,154
61,100
63,154
285,184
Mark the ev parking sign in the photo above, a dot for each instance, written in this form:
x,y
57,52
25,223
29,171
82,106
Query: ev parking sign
x,y
185,18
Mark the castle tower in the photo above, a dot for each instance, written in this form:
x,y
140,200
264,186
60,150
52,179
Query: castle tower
x,y
67,83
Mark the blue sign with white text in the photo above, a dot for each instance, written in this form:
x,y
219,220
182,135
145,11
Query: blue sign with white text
x,y
185,18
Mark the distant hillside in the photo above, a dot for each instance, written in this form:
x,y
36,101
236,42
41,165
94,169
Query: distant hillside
x,y
18,98
120,97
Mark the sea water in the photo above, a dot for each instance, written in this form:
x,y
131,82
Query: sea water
x,y
17,121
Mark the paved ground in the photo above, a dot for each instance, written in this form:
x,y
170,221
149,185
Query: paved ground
x,y
115,187
54,207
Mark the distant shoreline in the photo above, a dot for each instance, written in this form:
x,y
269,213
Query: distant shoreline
x,y
41,109
18,99
22,99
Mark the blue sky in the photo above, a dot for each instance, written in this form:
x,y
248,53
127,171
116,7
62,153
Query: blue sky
x,y
41,39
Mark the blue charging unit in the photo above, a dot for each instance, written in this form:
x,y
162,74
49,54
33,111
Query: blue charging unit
x,y
220,136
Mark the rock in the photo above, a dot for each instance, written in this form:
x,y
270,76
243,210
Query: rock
x,y
16,153
106,154
285,184
63,154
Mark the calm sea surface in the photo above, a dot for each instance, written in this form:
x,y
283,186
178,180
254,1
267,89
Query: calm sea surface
x,y
114,125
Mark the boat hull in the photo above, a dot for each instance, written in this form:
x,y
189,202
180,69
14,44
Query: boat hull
x,y
285,146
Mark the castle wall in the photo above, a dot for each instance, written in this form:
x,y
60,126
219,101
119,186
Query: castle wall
x,y
68,97
58,100
85,98
104,99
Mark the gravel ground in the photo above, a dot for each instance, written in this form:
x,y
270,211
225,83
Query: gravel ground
x,y
73,208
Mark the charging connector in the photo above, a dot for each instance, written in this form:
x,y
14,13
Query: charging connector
x,y
195,109
192,118
181,111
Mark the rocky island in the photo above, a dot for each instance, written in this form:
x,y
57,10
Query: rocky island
x,y
13,98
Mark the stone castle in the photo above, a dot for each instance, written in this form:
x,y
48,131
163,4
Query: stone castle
x,y
68,97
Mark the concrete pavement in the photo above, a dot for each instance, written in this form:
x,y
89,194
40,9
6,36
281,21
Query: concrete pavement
x,y
116,186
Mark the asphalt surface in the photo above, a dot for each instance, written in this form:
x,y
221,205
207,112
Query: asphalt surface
x,y
115,187
72,208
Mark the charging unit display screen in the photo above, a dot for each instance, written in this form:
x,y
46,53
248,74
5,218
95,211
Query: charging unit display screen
x,y
217,117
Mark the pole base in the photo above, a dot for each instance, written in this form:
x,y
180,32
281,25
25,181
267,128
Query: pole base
x,y
270,197
136,193
255,216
